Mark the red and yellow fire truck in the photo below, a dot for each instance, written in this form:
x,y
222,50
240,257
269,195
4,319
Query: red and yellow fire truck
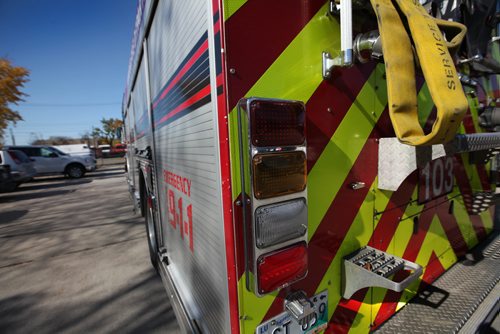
x,y
312,165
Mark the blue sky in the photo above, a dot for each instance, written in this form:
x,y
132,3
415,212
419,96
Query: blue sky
x,y
77,53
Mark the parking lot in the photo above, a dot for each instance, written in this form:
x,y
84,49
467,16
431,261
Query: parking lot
x,y
74,259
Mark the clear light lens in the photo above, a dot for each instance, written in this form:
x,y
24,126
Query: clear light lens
x,y
280,222
278,174
281,268
277,123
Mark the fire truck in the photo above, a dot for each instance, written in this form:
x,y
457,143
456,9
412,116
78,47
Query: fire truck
x,y
309,166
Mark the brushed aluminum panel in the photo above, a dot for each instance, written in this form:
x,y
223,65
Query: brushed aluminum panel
x,y
142,124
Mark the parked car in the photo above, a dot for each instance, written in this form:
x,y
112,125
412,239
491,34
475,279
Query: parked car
x,y
118,150
7,182
76,149
104,150
50,160
22,168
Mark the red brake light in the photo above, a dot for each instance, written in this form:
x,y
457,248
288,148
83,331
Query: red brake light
x,y
277,123
282,267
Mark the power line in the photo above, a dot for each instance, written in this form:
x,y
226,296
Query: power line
x,y
65,105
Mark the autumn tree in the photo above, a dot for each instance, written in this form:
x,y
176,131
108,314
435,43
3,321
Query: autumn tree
x,y
12,79
109,129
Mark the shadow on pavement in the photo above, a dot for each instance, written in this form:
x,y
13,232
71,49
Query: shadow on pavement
x,y
33,186
10,216
11,197
91,312
105,174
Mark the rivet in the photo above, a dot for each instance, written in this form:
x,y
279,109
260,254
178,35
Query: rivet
x,y
238,203
329,110
232,71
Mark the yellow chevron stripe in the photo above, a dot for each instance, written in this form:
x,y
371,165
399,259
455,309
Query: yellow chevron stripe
x,y
437,242
464,222
397,246
344,147
358,235
362,322
231,7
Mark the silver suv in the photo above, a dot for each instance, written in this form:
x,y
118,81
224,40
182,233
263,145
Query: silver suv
x,y
50,160
21,167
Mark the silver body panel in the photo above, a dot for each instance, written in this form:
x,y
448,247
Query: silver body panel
x,y
185,150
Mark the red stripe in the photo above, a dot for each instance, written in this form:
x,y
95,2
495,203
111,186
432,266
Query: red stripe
x,y
182,72
262,25
222,114
195,98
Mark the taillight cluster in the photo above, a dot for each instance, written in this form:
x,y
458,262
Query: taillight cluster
x,y
274,179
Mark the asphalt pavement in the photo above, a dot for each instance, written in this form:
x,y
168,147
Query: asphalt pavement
x,y
74,259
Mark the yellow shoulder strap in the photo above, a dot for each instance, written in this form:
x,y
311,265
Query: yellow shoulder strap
x,y
437,66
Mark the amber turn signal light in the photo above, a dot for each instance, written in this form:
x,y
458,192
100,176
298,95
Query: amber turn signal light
x,y
277,174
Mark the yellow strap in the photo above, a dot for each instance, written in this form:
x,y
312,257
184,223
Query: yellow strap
x,y
400,71
437,66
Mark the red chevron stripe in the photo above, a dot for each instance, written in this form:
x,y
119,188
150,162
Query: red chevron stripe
x,y
453,232
345,313
466,191
412,249
433,270
277,24
327,239
329,104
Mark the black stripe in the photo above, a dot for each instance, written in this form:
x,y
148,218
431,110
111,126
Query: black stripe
x,y
184,62
218,55
187,111
197,78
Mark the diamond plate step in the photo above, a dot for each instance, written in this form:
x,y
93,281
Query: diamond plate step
x,y
464,288
372,267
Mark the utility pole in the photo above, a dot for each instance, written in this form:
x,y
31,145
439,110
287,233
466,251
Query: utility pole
x,y
12,136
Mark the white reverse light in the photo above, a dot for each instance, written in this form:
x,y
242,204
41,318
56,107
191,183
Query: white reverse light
x,y
280,222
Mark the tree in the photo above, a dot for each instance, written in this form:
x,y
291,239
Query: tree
x,y
109,128
12,79
57,140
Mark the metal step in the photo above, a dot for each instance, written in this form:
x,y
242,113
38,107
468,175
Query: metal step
x,y
369,267
457,300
